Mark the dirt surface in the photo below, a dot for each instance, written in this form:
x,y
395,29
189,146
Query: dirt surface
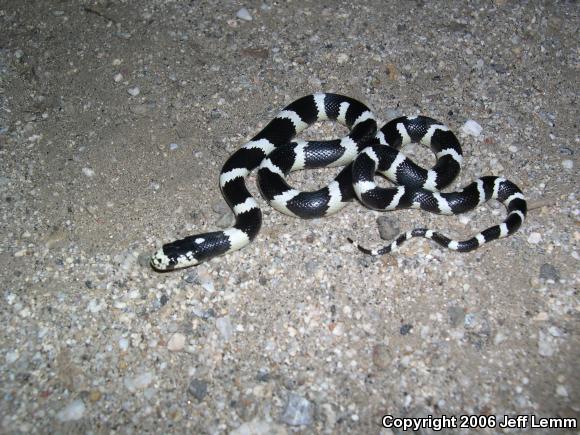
x,y
115,119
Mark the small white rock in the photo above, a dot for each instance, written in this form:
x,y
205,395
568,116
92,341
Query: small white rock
x,y
561,391
338,329
342,58
472,128
73,411
138,382
546,345
259,427
94,306
123,344
173,146
176,343
464,219
134,91
117,62
555,331
567,164
12,356
224,326
118,77
208,286
243,14
534,238
88,172
513,148
499,338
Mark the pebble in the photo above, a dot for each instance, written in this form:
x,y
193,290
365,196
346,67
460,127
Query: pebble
x,y
197,388
118,77
191,277
95,396
472,128
12,356
541,316
555,331
259,427
298,411
176,343
56,239
73,411
478,329
499,338
173,146
388,229
224,326
315,82
204,278
138,382
548,271
244,14
546,344
208,286
456,315
534,238
405,329
381,356
123,344
548,117
139,109
134,91
263,375
88,172
567,164
561,391
144,259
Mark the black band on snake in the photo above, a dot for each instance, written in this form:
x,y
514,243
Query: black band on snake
x,y
364,152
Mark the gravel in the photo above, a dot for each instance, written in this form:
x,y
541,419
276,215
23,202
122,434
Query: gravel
x,y
115,119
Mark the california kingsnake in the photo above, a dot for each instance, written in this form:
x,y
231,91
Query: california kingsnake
x,y
363,152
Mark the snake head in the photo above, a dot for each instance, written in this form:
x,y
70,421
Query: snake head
x,y
196,249
176,255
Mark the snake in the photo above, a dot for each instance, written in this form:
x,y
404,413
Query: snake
x,y
364,152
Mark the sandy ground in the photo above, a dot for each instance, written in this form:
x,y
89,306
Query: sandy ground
x,y
115,119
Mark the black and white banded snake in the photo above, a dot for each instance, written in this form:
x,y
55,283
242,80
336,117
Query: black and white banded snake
x,y
363,152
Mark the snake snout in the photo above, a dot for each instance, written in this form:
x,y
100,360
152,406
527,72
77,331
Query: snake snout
x,y
161,261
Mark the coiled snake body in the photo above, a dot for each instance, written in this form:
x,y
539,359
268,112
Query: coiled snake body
x,y
363,152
